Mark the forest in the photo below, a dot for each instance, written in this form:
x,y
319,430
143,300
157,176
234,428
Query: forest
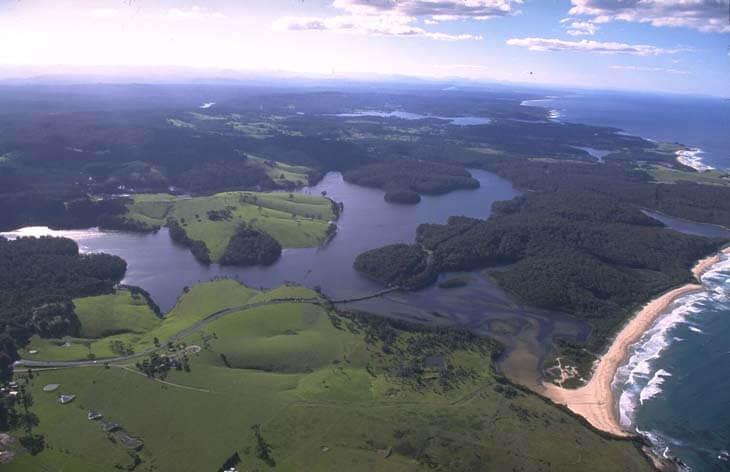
x,y
404,180
623,182
39,277
198,248
397,265
570,251
249,246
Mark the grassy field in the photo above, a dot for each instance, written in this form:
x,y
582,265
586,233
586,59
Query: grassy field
x,y
280,172
329,391
665,175
120,312
294,220
201,300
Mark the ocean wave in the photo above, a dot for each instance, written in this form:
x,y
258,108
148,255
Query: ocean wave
x,y
633,378
654,387
692,158
639,381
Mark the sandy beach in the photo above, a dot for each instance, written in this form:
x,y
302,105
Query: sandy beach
x,y
595,401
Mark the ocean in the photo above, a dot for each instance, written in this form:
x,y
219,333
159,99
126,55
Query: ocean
x,y
675,388
700,123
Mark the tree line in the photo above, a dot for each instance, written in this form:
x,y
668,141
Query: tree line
x,y
39,277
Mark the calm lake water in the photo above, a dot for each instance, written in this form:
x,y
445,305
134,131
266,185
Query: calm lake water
x,y
368,221
406,115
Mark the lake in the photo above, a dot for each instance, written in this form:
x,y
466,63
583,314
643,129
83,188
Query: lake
x,y
406,115
368,221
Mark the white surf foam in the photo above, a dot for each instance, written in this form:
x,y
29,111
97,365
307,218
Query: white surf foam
x,y
638,381
207,105
693,158
635,378
654,387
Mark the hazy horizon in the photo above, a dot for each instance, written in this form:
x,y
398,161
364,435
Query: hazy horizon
x,y
669,46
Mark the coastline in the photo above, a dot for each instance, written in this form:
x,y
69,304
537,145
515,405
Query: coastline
x,y
595,401
691,157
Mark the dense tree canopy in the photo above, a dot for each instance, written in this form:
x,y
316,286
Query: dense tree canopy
x,y
249,246
404,179
576,252
397,265
38,279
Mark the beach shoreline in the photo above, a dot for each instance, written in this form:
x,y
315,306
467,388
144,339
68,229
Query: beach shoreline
x,y
595,401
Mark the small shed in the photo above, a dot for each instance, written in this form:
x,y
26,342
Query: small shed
x,y
64,399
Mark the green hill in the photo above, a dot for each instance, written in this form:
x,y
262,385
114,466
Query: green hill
x,y
303,388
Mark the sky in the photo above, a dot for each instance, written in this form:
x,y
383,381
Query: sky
x,y
652,45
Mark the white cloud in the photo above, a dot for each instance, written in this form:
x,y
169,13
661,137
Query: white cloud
x,y
376,25
648,69
585,45
105,13
702,15
581,28
398,17
193,13
441,10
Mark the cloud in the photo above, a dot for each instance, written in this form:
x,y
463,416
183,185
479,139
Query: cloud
x,y
441,10
702,15
375,25
193,13
585,45
648,69
105,13
399,17
580,28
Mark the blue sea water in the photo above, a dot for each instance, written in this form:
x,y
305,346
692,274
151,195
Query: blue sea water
x,y
675,389
697,122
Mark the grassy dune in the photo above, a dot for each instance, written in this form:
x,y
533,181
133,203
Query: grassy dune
x,y
294,220
329,392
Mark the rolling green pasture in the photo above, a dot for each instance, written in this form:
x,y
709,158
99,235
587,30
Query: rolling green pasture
x,y
294,220
280,172
327,396
200,301
119,312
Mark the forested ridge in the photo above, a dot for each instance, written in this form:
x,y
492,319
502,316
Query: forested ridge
x,y
403,180
397,265
576,252
39,277
572,251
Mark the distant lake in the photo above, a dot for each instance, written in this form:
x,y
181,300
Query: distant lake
x,y
405,115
